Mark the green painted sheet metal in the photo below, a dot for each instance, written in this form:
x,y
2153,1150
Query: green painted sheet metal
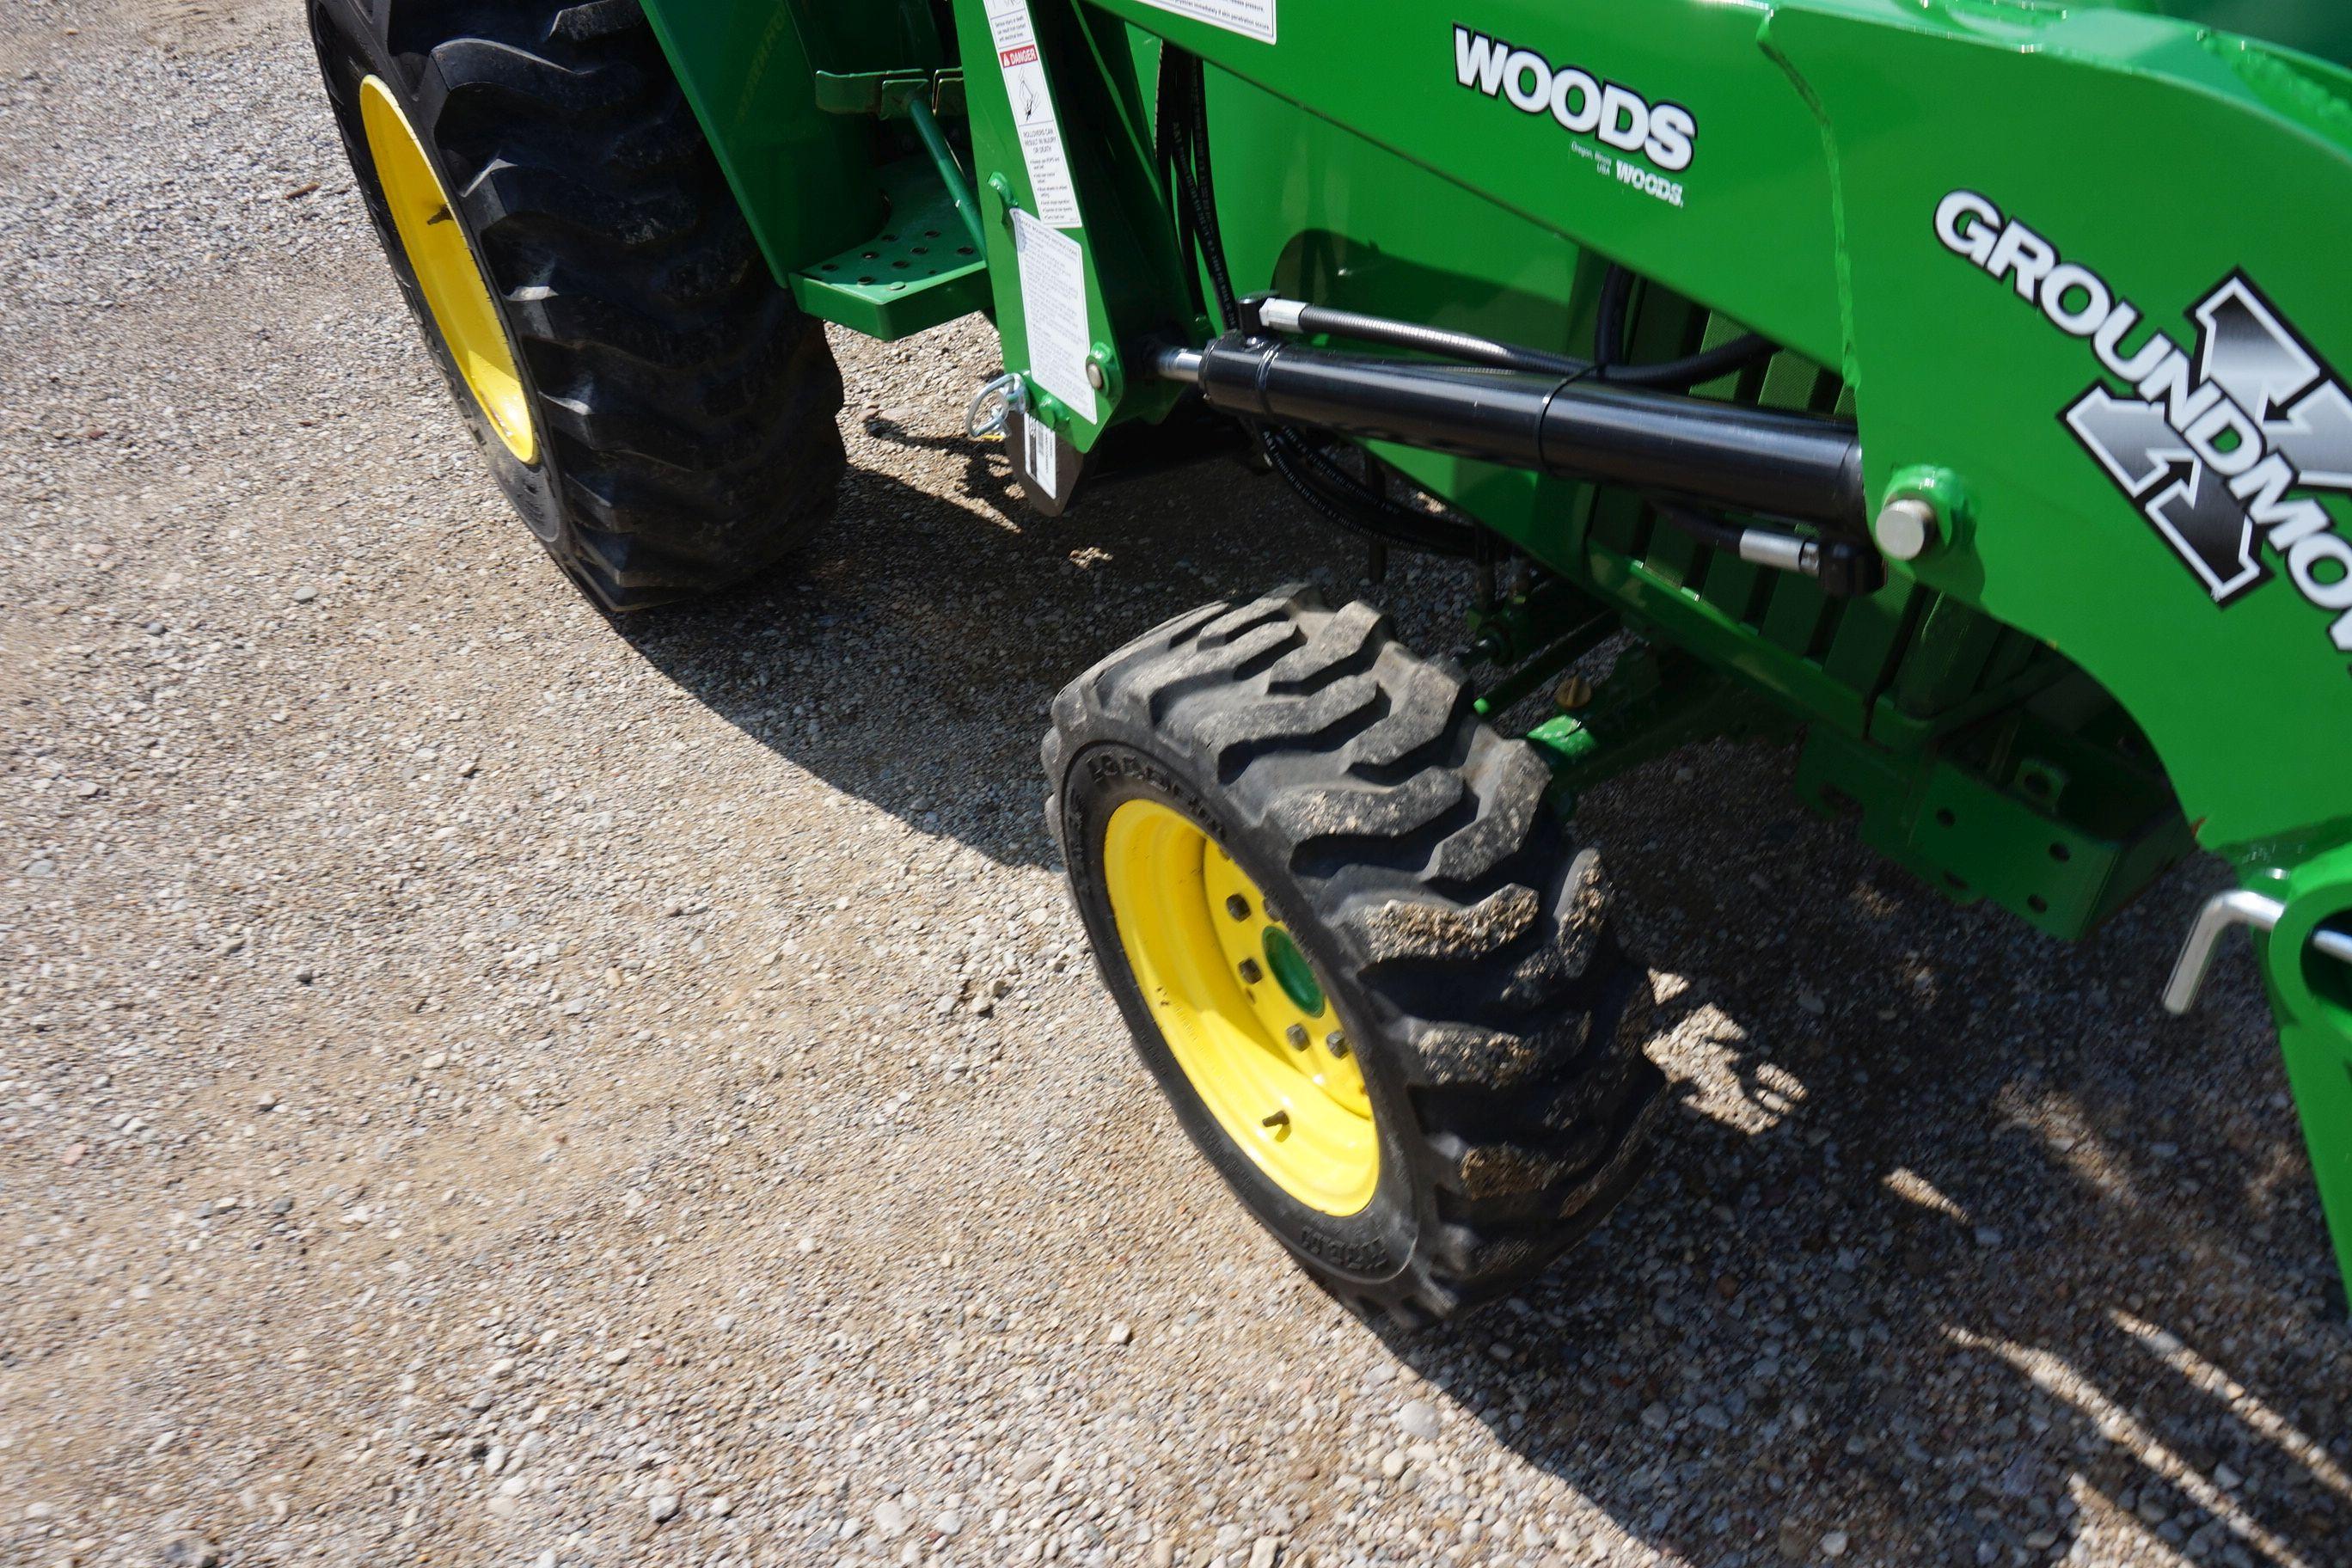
x,y
807,180
1386,120
803,176
919,269
2321,28
2059,832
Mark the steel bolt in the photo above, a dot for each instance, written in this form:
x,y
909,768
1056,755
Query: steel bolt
x,y
1573,693
1908,528
1237,906
1095,377
1297,1035
1251,973
1336,1043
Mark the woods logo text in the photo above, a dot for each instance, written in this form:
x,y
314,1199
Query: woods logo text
x,y
1665,134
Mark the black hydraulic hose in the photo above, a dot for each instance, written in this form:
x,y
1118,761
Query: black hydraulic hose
x,y
1283,455
1375,513
1201,191
1609,319
1695,370
1845,568
1168,125
1467,348
1333,492
1667,376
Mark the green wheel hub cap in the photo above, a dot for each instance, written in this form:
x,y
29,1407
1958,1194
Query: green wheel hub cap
x,y
1292,971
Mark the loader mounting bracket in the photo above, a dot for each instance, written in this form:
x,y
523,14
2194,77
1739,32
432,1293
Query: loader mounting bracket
x,y
891,94
2061,832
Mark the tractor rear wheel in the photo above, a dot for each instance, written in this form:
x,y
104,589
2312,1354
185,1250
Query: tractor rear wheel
x,y
655,406
1355,946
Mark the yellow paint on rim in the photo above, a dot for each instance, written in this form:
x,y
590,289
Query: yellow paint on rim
x,y
1235,999
455,289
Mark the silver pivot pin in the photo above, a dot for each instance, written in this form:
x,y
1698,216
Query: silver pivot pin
x,y
2222,912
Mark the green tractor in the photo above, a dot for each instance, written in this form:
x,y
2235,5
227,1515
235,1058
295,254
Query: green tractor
x,y
1944,382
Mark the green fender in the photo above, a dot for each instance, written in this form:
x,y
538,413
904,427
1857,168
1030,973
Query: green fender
x,y
807,180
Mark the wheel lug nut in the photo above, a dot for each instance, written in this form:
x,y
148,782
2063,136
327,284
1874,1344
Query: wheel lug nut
x,y
1297,1035
1251,973
1337,1043
1237,906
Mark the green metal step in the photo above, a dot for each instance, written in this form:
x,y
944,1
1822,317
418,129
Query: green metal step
x,y
920,270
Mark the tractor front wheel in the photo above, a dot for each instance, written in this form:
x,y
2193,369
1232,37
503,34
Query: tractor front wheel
x,y
652,401
1357,949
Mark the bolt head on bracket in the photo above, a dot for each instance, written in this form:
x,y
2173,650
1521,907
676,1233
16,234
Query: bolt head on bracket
x,y
1907,527
1927,510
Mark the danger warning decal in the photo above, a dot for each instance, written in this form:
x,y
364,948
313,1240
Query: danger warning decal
x,y
1015,37
2216,446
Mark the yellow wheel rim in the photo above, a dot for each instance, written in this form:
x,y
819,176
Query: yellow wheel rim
x,y
1242,1009
455,289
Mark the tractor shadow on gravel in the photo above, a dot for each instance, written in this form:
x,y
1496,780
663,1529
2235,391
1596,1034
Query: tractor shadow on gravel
x,y
1955,1242
906,656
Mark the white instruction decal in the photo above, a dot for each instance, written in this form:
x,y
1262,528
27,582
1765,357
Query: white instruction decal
x,y
1045,454
1054,302
1250,19
1033,111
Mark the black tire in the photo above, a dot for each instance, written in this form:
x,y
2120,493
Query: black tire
x,y
1458,931
684,407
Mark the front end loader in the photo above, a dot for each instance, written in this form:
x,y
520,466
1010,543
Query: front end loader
x,y
1946,384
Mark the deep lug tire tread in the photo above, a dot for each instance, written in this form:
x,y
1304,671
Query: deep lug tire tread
x,y
1476,931
688,407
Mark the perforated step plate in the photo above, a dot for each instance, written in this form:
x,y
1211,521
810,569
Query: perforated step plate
x,y
920,270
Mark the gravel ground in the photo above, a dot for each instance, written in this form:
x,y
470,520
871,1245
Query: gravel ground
x,y
479,1084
